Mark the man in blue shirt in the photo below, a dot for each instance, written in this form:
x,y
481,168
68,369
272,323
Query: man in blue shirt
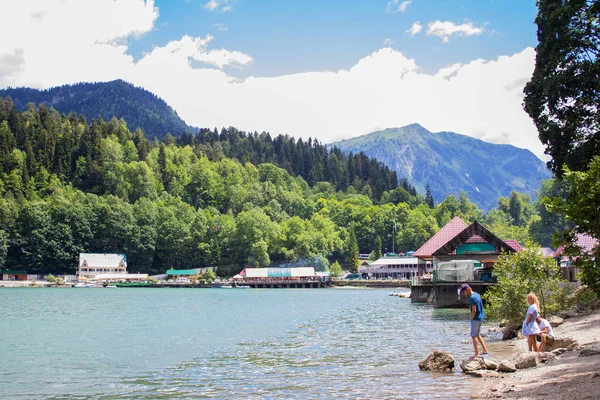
x,y
477,317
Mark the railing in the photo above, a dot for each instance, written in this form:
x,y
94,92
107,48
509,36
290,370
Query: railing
x,y
464,276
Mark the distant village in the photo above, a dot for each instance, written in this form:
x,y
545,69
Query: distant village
x,y
458,253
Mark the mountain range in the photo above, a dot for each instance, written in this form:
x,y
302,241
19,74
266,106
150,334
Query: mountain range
x,y
450,162
137,106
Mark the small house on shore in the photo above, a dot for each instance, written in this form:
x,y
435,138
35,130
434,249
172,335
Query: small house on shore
x,y
13,275
567,267
93,264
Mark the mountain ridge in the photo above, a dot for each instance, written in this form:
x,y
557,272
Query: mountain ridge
x,y
139,107
450,162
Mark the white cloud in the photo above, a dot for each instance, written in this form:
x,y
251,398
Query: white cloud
x,y
445,29
481,98
403,5
212,5
388,42
223,57
223,5
393,6
220,27
415,28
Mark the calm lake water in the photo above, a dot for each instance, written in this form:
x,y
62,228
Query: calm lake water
x,y
225,343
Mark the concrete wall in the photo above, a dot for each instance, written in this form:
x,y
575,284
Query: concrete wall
x,y
421,294
446,294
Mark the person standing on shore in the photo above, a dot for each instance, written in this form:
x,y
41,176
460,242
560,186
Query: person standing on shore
x,y
477,316
530,327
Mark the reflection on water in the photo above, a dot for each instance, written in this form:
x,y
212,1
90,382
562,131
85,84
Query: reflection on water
x,y
227,344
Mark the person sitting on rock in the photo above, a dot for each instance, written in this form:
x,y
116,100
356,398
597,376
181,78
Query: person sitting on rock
x,y
545,331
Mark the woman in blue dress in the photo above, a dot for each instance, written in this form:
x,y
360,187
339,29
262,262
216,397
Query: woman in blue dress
x,y
530,326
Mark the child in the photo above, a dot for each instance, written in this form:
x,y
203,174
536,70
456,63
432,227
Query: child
x,y
530,326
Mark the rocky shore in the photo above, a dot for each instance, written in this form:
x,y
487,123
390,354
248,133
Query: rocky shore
x,y
571,374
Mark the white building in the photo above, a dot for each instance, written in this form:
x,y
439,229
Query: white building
x,y
93,264
397,267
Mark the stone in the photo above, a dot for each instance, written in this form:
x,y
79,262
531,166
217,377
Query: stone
x,y
589,352
482,373
559,342
473,364
558,352
526,360
511,331
438,360
596,375
547,357
490,364
507,366
573,347
555,321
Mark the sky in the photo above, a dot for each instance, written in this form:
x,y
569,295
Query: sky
x,y
326,69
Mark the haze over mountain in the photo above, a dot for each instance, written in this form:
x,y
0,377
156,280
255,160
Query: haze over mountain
x,y
450,162
137,106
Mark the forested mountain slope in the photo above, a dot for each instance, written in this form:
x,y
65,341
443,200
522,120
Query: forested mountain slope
x,y
450,163
137,106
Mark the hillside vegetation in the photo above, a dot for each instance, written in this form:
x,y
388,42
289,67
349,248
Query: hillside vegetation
x,y
139,107
68,186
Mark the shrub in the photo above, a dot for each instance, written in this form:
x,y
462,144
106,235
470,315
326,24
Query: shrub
x,y
520,273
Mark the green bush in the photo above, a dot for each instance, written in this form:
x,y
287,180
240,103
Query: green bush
x,y
520,273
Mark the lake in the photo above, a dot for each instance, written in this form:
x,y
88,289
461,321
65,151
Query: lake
x,y
128,343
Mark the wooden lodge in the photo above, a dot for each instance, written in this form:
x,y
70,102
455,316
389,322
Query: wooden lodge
x,y
460,253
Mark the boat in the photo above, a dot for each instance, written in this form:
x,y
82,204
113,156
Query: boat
x,y
402,293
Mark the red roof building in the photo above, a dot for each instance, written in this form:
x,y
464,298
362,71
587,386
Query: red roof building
x,y
444,235
459,241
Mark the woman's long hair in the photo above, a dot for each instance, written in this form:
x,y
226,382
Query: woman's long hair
x,y
532,298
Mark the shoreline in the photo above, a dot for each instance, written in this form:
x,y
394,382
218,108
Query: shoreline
x,y
573,375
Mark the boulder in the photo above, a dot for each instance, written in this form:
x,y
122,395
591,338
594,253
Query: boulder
x,y
438,360
556,321
507,366
589,352
526,360
559,342
511,331
482,373
490,364
473,364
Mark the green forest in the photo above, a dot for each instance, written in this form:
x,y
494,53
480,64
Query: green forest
x,y
227,199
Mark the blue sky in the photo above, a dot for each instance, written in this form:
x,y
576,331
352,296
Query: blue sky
x,y
326,69
287,37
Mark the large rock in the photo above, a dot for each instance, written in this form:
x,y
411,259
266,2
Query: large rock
x,y
559,342
507,366
526,360
437,361
473,364
490,364
555,321
511,331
